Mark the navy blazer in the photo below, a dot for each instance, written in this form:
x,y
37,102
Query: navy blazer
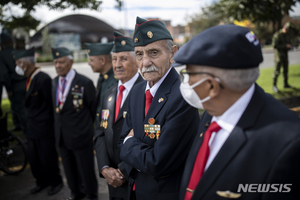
x,y
38,102
264,147
74,125
160,161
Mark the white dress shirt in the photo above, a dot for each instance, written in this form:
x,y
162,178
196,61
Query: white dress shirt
x,y
69,78
227,121
128,85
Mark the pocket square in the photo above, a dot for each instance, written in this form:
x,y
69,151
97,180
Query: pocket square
x,y
228,194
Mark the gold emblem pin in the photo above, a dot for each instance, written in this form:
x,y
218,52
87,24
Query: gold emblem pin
x,y
160,100
110,98
201,134
136,40
149,34
57,54
105,76
228,194
57,110
113,42
151,121
123,42
97,114
89,51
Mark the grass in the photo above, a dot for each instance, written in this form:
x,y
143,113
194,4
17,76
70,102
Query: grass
x,y
265,80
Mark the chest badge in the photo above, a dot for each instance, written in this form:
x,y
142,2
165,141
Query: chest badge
x,y
152,130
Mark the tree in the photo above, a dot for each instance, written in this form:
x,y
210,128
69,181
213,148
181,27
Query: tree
x,y
257,11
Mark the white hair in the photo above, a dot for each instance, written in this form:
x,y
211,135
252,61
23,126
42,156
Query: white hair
x,y
30,59
132,53
235,79
70,57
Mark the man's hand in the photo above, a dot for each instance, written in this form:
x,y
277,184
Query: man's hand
x,y
131,133
113,176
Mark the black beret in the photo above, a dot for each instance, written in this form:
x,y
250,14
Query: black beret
x,y
98,48
122,43
149,31
223,46
60,52
23,53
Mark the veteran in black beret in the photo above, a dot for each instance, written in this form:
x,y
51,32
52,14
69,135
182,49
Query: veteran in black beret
x,y
156,136
73,97
14,82
113,113
245,137
41,148
100,61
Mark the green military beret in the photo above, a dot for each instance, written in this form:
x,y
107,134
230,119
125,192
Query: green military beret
x,y
149,31
23,53
122,43
94,49
5,36
60,52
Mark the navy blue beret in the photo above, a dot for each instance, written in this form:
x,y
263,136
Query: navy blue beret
x,y
223,46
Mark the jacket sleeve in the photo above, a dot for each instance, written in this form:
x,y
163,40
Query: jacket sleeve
x,y
4,75
171,149
278,42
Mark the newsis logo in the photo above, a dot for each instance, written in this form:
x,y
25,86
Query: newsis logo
x,y
264,188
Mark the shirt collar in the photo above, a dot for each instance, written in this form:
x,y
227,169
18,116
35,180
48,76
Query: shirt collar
x,y
155,87
232,115
128,85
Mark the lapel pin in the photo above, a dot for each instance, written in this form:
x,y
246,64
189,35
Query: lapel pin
x,y
110,98
207,124
201,134
228,194
160,100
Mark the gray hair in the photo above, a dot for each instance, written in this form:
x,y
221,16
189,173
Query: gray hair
x,y
170,43
235,79
30,59
70,57
132,53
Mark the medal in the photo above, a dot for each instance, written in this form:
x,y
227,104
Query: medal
x,y
57,110
152,130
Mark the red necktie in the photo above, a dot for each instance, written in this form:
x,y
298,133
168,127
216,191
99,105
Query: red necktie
x,y
201,160
149,98
119,101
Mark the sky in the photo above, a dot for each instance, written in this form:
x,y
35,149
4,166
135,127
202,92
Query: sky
x,y
175,10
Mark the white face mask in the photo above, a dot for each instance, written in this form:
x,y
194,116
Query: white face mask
x,y
190,96
19,70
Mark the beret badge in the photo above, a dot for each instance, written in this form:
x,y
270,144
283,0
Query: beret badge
x,y
123,42
149,34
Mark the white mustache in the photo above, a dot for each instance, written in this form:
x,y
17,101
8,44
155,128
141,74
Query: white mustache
x,y
152,68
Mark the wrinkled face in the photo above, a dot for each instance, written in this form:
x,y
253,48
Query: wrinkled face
x,y
63,65
95,63
153,60
124,66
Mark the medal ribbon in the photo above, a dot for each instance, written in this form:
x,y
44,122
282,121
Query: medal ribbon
x,y
61,90
28,82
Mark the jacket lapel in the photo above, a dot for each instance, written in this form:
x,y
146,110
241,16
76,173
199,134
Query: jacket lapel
x,y
32,85
54,88
236,140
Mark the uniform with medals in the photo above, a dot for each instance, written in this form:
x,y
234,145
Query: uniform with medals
x,y
40,126
109,127
154,157
74,100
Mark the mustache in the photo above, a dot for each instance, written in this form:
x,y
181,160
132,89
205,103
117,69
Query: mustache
x,y
152,68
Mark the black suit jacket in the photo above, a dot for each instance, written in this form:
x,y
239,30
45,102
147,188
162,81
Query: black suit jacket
x,y
38,101
263,148
74,125
106,140
160,161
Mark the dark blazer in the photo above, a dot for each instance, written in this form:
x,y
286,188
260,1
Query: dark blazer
x,y
74,125
264,147
38,101
160,161
106,140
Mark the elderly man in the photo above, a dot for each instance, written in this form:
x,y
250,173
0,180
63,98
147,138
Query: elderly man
x,y
159,126
114,110
100,61
74,102
42,153
248,143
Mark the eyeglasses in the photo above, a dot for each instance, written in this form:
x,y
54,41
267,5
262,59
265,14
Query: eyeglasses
x,y
184,76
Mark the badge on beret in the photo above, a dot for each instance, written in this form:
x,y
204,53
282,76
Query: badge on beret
x,y
149,34
105,76
123,42
152,130
57,54
136,40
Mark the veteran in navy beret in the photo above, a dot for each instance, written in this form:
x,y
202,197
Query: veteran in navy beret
x,y
246,136
100,61
156,137
113,113
40,124
73,97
